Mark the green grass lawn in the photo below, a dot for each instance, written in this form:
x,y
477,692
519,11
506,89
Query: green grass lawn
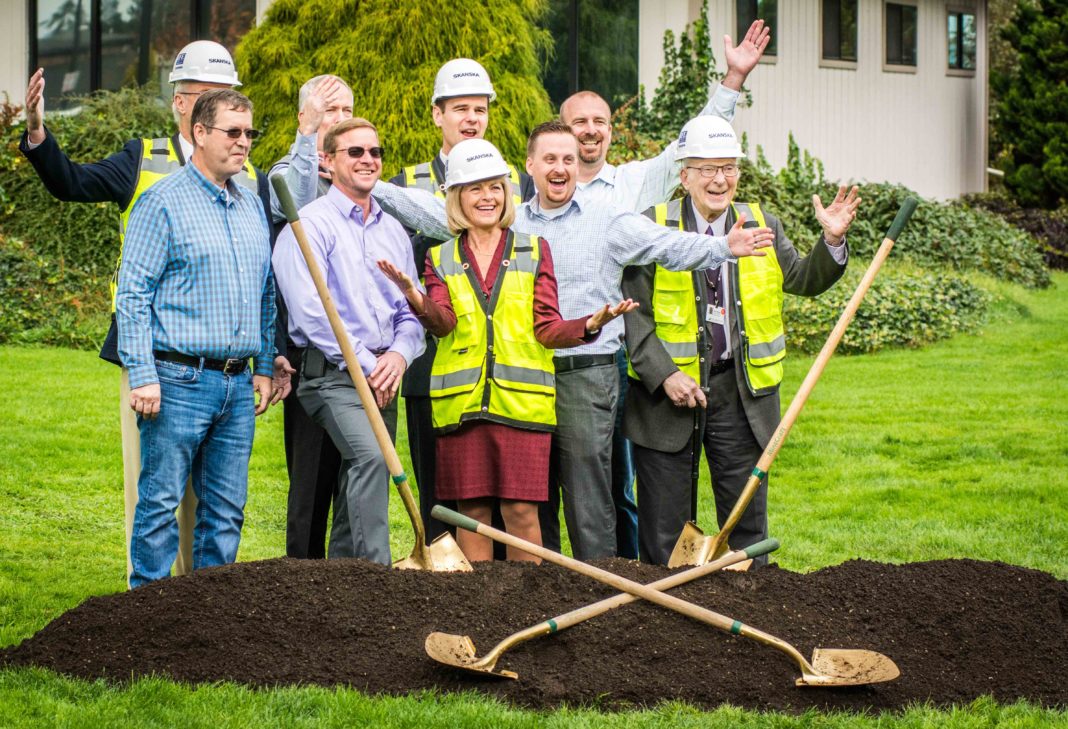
x,y
957,450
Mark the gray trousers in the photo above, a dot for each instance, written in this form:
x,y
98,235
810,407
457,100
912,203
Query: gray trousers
x,y
581,462
664,478
361,506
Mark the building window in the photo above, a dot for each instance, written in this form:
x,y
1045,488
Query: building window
x,y
88,45
840,30
750,10
961,40
900,34
596,44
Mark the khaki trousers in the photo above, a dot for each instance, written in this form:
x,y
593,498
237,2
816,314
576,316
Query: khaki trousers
x,y
131,472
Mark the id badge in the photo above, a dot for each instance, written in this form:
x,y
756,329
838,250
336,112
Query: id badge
x,y
715,314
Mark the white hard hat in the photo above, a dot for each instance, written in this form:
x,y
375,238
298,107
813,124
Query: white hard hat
x,y
204,61
474,160
708,137
462,77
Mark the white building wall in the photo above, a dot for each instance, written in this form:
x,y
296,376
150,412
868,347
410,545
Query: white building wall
x,y
14,51
926,129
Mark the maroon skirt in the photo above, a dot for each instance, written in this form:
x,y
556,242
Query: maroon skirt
x,y
481,459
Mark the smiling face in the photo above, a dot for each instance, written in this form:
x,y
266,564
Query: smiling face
x,y
590,119
465,117
356,176
482,203
218,156
553,163
711,196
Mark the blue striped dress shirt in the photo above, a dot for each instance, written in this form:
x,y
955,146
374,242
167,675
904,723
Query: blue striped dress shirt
x,y
195,276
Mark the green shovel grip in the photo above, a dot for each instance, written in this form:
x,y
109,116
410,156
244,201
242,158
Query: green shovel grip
x,y
907,209
285,199
449,516
761,548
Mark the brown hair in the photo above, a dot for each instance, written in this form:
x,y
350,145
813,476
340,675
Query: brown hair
x,y
356,122
207,106
553,126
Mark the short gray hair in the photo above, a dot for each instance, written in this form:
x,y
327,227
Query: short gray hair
x,y
306,89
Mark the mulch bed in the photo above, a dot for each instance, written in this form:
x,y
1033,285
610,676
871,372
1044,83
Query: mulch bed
x,y
958,629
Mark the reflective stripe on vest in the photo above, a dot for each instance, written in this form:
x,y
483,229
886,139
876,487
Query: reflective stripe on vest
x,y
159,158
490,366
422,177
758,307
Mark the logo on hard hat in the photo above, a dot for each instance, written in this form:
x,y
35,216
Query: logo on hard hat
x,y
682,137
180,60
484,155
715,135
462,74
219,60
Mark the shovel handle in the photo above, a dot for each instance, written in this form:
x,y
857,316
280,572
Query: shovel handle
x,y
367,398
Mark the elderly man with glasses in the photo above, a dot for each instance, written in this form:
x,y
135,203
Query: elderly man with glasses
x,y
195,301
348,232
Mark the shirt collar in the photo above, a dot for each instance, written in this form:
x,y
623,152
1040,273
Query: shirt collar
x,y
537,209
226,195
187,147
350,209
720,228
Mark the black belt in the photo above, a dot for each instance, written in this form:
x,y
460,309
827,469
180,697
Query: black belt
x,y
232,366
722,366
582,361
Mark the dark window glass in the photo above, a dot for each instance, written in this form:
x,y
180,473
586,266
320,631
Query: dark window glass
x,y
900,34
961,41
225,21
840,30
750,10
169,27
602,56
63,49
120,25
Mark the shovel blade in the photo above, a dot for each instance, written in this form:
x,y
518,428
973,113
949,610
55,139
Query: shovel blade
x,y
845,667
458,651
694,549
441,555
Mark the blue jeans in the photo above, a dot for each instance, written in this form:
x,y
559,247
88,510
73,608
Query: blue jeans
x,y
205,428
623,474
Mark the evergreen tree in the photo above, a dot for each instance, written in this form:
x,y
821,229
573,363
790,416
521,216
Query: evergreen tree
x,y
389,52
1032,107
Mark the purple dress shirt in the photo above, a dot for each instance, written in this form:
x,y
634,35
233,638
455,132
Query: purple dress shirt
x,y
373,310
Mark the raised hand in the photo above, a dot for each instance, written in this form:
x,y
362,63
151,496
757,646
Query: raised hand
x,y
608,313
836,218
404,283
747,241
35,107
743,58
315,106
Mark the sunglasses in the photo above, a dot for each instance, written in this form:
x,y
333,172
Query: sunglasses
x,y
357,152
235,133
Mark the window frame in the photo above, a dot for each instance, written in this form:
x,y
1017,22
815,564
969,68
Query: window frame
x,y
839,62
962,10
899,67
769,58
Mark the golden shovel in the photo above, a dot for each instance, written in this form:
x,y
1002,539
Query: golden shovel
x,y
829,666
458,651
443,554
693,547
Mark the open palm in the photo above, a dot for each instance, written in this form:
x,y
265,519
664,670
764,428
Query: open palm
x,y
836,218
745,55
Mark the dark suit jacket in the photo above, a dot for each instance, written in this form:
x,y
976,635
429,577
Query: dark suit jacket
x,y
650,419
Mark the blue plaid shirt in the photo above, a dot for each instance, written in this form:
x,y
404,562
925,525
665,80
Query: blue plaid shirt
x,y
195,276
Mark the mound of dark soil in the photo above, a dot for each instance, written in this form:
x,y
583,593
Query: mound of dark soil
x,y
957,629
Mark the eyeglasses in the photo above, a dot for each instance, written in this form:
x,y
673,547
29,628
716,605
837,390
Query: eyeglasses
x,y
357,152
235,133
189,93
709,172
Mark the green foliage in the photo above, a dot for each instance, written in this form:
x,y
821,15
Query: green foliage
x,y
1031,122
904,308
1049,227
389,52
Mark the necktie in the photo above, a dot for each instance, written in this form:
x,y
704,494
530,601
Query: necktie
x,y
717,332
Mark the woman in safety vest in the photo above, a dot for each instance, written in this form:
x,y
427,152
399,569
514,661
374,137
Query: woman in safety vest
x,y
491,301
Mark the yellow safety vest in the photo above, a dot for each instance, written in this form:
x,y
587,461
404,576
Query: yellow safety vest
x,y
490,366
422,177
757,306
159,158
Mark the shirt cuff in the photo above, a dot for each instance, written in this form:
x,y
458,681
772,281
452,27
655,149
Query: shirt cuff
x,y
30,146
141,375
840,252
263,366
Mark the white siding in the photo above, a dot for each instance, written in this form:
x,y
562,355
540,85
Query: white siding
x,y
926,129
14,51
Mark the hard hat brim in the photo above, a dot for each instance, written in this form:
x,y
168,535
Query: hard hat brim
x,y
505,172
456,94
204,78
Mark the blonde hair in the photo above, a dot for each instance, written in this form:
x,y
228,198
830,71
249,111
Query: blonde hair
x,y
454,214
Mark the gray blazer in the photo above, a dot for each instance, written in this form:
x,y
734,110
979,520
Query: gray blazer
x,y
650,419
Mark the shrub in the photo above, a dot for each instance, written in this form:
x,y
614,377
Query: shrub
x,y
1049,227
391,68
905,307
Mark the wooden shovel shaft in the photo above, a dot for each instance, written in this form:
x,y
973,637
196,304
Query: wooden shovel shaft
x,y
814,373
367,398
645,592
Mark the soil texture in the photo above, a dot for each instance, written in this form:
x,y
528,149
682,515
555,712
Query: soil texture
x,y
957,629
